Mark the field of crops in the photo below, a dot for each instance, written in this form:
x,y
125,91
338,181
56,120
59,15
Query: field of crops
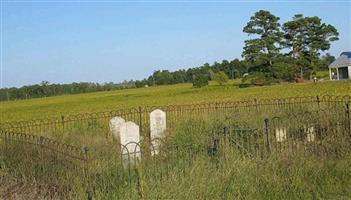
x,y
161,95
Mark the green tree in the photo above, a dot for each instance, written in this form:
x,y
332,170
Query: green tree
x,y
221,78
283,68
200,80
266,46
306,37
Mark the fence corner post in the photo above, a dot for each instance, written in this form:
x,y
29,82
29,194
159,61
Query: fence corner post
x,y
268,143
318,101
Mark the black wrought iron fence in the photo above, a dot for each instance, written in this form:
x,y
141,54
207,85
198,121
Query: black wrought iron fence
x,y
46,161
319,131
175,113
60,164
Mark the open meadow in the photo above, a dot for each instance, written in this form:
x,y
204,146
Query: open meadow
x,y
162,95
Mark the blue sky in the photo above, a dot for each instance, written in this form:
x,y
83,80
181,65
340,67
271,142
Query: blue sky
x,y
64,42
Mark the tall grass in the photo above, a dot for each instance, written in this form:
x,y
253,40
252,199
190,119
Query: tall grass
x,y
189,167
199,174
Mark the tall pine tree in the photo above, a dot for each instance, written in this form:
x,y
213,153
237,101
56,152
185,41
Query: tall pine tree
x,y
306,37
264,48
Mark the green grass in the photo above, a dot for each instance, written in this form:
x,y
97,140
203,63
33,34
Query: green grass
x,y
317,170
175,175
191,172
161,95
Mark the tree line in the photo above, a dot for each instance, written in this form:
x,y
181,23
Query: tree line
x,y
274,52
45,89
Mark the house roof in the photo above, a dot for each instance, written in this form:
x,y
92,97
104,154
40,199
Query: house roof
x,y
343,61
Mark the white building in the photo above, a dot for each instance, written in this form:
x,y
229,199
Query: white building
x,y
341,67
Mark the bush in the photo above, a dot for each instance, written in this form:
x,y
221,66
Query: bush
x,y
259,78
200,81
221,78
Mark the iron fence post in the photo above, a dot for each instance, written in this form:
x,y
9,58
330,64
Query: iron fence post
x,y
226,134
255,100
2,149
348,124
86,172
268,143
41,151
140,112
318,101
85,151
63,122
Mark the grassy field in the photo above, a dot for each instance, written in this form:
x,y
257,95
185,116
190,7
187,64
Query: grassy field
x,y
302,170
161,95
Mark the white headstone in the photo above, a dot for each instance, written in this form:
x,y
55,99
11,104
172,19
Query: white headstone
x,y
130,141
115,126
157,129
280,134
310,134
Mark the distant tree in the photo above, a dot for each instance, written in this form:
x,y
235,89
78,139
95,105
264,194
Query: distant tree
x,y
233,65
225,67
163,77
179,76
266,46
283,71
324,62
221,78
238,68
306,37
200,80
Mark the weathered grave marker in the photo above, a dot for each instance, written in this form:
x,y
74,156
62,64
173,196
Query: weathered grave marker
x,y
310,134
280,134
130,142
115,126
157,129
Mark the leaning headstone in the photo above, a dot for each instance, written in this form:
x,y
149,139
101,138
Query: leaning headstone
x,y
280,134
130,142
157,129
115,126
310,134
